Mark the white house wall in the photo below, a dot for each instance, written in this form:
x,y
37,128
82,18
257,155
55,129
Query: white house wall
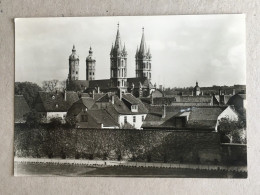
x,y
138,122
51,115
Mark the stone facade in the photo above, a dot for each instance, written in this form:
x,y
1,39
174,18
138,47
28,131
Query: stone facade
x,y
143,60
90,66
73,66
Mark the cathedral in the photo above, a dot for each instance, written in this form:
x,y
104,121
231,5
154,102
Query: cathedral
x,y
139,86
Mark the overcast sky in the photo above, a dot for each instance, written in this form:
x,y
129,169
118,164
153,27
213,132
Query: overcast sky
x,y
206,48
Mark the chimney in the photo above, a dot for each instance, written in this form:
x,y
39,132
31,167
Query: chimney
x,y
120,94
98,89
234,91
65,95
219,92
164,111
93,94
202,93
112,99
192,93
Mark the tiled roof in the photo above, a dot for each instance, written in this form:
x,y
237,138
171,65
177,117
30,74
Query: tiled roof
x,y
199,117
55,101
131,99
98,96
21,108
206,113
102,116
78,106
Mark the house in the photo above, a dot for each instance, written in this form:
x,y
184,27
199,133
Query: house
x,y
55,104
21,108
125,110
189,118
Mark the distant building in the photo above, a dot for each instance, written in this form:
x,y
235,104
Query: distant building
x,y
140,86
21,109
90,66
196,90
54,104
73,66
179,100
143,60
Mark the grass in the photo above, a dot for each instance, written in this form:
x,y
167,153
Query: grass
x,y
21,169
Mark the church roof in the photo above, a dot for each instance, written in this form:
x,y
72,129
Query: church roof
x,y
139,80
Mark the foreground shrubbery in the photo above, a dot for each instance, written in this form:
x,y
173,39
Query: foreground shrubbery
x,y
56,140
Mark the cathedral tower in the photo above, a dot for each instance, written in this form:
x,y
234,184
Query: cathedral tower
x,y
143,60
118,62
73,66
90,66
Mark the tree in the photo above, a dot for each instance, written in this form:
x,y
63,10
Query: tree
x,y
33,119
50,86
28,90
233,130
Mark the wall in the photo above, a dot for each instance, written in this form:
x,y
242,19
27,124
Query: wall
x,y
138,122
234,154
50,115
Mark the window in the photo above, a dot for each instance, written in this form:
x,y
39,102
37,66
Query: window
x,y
76,72
142,118
125,119
89,73
93,73
134,119
134,108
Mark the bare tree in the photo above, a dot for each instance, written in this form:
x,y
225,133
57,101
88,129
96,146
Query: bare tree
x,y
50,86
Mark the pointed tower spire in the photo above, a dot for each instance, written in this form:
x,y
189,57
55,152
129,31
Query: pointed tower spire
x,y
112,48
142,49
118,40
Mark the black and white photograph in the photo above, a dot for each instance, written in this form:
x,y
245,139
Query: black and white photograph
x,y
131,96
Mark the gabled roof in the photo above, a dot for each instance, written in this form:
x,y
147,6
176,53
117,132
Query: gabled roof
x,y
101,116
21,108
55,101
120,108
81,104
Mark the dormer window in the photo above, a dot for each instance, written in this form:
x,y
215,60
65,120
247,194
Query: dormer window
x,y
53,97
134,108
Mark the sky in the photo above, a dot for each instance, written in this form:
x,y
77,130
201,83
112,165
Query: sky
x,y
209,49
